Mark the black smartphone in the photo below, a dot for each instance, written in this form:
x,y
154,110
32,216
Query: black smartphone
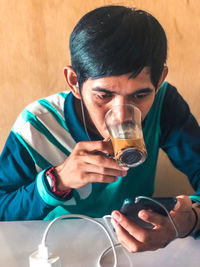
x,y
131,207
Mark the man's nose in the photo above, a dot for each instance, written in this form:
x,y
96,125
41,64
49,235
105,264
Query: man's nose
x,y
122,110
121,100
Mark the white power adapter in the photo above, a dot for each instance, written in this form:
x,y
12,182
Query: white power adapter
x,y
42,258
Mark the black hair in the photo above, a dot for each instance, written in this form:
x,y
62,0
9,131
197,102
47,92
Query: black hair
x,y
116,40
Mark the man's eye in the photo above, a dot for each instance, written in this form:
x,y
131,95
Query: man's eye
x,y
104,96
140,96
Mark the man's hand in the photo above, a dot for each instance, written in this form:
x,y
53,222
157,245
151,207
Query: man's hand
x,y
135,238
87,164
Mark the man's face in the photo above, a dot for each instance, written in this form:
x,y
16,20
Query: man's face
x,y
102,94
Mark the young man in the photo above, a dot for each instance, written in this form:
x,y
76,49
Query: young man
x,y
53,164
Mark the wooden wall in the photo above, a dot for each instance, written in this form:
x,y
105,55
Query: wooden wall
x,y
34,49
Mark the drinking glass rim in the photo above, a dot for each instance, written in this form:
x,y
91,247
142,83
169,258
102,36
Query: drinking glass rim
x,y
118,105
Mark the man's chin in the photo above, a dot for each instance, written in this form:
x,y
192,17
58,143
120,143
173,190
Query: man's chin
x,y
105,135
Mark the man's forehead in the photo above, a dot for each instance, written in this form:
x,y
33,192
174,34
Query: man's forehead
x,y
113,83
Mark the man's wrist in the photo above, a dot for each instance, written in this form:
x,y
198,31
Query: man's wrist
x,y
194,225
196,231
52,181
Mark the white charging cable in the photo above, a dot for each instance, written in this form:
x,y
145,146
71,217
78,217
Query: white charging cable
x,y
42,257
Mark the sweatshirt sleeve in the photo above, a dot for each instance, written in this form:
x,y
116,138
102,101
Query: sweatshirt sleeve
x,y
180,138
23,192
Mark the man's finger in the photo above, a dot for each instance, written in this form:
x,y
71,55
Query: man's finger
x,y
103,161
152,217
126,239
91,168
94,146
132,228
184,203
100,178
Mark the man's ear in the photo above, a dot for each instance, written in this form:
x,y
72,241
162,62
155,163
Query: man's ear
x,y
71,79
163,76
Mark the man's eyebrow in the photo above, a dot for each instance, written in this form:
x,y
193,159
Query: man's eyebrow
x,y
143,90
99,89
139,91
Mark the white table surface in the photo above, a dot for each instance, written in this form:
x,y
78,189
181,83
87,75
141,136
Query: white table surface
x,y
80,243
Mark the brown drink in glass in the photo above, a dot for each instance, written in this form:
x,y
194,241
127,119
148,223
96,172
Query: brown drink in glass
x,y
124,126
